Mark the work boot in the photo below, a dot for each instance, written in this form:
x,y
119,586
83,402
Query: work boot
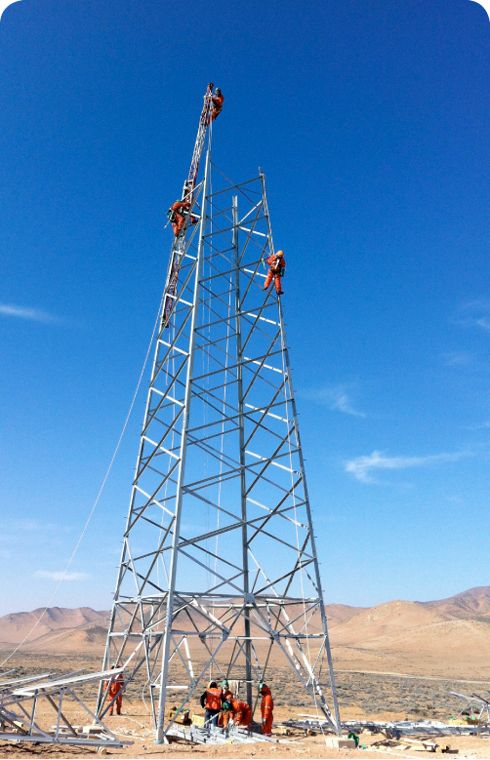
x,y
280,292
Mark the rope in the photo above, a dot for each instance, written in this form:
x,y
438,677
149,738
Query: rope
x,y
96,500
300,560
206,364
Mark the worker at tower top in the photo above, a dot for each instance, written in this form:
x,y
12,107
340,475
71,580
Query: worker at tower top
x,y
266,709
218,100
177,214
211,701
277,265
242,714
115,687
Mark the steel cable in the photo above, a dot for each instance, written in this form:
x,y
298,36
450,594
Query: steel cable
x,y
96,500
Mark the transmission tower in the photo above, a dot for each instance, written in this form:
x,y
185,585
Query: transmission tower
x,y
219,573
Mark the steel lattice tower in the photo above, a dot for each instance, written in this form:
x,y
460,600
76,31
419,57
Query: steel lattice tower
x,y
219,569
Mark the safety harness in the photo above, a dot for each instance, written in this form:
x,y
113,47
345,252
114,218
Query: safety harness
x,y
278,268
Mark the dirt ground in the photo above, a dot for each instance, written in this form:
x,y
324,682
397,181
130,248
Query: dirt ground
x,y
368,696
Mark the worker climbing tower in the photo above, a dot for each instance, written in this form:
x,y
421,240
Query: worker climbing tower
x,y
219,574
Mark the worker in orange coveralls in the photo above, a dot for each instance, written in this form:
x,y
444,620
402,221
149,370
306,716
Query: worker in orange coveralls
x,y
218,100
266,709
176,214
114,691
242,714
226,714
226,695
277,265
211,701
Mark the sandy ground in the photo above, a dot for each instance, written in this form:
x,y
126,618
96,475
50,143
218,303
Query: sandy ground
x,y
134,726
297,746
400,687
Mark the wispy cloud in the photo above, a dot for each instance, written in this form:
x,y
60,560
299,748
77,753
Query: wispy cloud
x,y
361,467
57,576
335,397
455,499
475,314
21,312
455,359
481,426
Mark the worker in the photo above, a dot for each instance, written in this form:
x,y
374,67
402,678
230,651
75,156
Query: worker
x,y
115,686
266,709
242,714
277,265
177,214
211,701
226,714
218,99
225,691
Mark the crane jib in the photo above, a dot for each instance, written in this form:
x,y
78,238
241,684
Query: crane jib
x,y
179,241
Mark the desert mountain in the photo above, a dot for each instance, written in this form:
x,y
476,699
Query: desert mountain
x,y
340,613
448,637
468,604
90,639
14,627
384,619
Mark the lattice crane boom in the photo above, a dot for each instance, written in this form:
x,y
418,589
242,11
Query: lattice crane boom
x,y
179,242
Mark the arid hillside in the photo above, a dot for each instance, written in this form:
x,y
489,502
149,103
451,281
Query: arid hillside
x,y
60,629
449,637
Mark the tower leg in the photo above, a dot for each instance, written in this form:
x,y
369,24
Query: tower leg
x,y
243,484
183,452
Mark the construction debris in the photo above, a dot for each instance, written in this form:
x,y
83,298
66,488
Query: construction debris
x,y
212,735
476,704
414,745
396,729
392,729
340,742
179,716
20,698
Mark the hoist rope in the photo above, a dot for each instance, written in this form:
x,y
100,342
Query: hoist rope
x,y
300,561
96,500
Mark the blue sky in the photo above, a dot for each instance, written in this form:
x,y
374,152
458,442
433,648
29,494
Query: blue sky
x,y
371,122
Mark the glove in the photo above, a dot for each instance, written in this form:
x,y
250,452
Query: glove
x,y
263,720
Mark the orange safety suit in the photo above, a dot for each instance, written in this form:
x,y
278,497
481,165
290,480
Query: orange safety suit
x,y
266,709
224,718
213,699
177,207
277,264
212,703
225,715
226,695
114,691
218,101
242,713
